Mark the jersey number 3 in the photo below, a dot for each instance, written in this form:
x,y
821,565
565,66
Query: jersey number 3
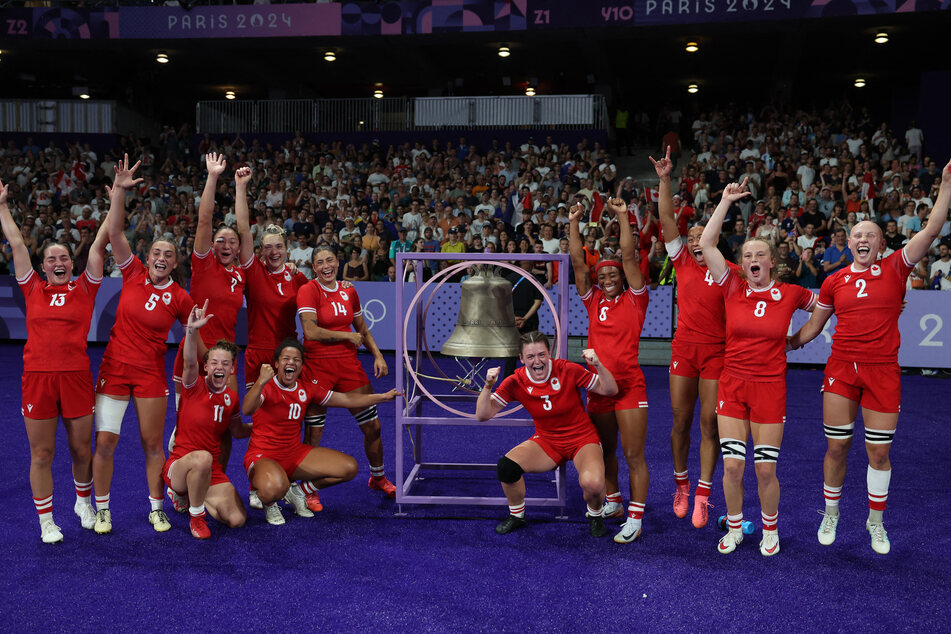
x,y
547,404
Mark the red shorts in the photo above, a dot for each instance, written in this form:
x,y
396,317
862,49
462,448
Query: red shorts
x,y
122,379
254,358
876,386
762,402
563,450
217,474
340,374
289,460
692,360
179,365
631,394
51,394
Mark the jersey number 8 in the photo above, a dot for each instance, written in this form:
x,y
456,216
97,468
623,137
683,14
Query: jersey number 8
x,y
603,313
760,309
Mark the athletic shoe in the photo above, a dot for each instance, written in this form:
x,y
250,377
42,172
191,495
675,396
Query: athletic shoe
x,y
103,522
382,484
254,501
596,526
730,541
630,531
199,527
700,514
273,515
86,513
880,543
769,545
509,524
179,502
159,521
748,527
49,532
612,509
827,528
682,501
295,497
313,502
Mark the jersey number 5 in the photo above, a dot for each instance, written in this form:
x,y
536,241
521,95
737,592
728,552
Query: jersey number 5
x,y
150,304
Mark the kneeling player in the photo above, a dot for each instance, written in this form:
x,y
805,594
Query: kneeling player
x,y
275,454
549,390
208,408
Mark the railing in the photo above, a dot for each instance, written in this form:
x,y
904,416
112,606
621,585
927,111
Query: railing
x,y
401,114
86,117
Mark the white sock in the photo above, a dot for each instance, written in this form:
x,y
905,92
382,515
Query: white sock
x,y
195,511
155,503
517,511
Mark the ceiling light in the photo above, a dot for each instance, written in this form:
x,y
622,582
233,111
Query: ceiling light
x,y
692,47
84,95
530,92
881,38
230,94
162,58
860,83
504,51
693,89
378,94
330,56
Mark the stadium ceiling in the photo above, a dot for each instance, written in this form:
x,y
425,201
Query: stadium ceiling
x,y
808,61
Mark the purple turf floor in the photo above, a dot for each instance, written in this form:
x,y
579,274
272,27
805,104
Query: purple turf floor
x,y
355,566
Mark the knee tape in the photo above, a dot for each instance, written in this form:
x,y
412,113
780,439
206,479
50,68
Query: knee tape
x,y
840,432
317,420
733,448
879,436
765,453
508,470
109,413
366,415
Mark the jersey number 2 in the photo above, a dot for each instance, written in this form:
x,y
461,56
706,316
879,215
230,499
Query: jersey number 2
x,y
860,284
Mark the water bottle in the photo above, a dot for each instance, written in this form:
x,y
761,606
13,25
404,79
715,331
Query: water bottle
x,y
747,525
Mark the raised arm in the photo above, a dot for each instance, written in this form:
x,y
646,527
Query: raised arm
x,y
665,204
918,246
811,329
206,208
379,363
252,400
124,181
606,386
21,255
576,250
486,406
630,256
196,319
716,263
242,177
97,251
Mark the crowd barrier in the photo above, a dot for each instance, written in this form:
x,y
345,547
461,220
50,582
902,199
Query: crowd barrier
x,y
921,324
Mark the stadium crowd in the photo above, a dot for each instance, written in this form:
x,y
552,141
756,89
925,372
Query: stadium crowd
x,y
813,176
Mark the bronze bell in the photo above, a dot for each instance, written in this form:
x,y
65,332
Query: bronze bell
x,y
486,324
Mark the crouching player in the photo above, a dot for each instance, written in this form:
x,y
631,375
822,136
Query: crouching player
x,y
549,390
276,456
207,410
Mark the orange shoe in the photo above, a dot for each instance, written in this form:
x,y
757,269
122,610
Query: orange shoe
x,y
682,501
383,484
313,502
700,514
199,527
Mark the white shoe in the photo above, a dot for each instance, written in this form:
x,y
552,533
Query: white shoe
x,y
159,521
630,530
103,521
612,509
49,532
827,529
87,515
880,543
769,545
254,501
273,515
295,497
730,541
179,502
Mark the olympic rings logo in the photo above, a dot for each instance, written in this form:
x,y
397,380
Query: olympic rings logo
x,y
371,317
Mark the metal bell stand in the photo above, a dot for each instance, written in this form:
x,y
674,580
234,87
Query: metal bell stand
x,y
410,295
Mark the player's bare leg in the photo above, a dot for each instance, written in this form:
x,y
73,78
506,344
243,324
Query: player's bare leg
x,y
110,411
606,425
79,437
151,414
589,461
632,426
709,451
683,397
838,418
224,504
192,474
527,457
267,477
767,440
879,431
42,436
733,434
